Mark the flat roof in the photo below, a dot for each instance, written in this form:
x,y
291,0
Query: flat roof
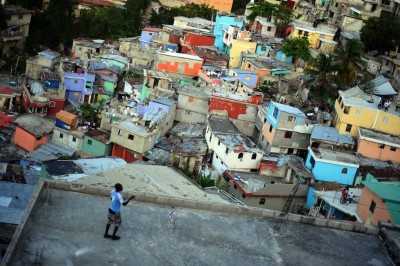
x,y
68,227
379,137
222,125
186,56
336,157
189,130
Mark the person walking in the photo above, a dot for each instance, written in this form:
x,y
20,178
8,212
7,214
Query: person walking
x,y
114,211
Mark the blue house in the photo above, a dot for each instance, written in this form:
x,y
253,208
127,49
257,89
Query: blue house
x,y
332,165
147,35
222,22
78,86
247,77
280,56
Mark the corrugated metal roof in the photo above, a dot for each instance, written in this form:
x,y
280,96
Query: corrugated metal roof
x,y
331,134
383,86
49,151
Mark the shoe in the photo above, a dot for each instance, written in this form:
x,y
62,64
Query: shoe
x,y
115,238
107,236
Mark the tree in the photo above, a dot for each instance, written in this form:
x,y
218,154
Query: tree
x,y
380,34
297,47
268,88
91,112
283,16
262,9
322,72
239,6
205,180
347,59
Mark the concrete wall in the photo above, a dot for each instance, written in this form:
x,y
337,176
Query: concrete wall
x,y
191,109
68,138
139,143
26,140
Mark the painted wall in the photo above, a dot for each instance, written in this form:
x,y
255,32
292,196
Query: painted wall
x,y
372,149
96,148
124,153
249,78
280,56
310,198
329,172
380,213
26,140
313,36
374,119
181,65
192,39
146,37
221,23
237,49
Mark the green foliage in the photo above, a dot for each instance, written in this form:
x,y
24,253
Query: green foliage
x,y
268,88
369,87
220,184
262,9
239,6
166,16
283,16
347,59
91,112
297,47
15,61
322,72
29,4
381,34
205,180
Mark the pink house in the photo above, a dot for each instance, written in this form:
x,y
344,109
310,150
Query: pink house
x,y
377,145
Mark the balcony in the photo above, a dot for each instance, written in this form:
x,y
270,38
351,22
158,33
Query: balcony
x,y
8,36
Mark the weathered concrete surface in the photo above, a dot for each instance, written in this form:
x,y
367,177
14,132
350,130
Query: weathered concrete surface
x,y
69,231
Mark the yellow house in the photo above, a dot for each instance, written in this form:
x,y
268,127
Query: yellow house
x,y
320,37
354,109
239,47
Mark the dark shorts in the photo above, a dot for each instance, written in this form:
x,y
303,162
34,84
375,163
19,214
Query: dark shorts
x,y
114,218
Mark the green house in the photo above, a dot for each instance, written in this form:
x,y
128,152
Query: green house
x,y
96,143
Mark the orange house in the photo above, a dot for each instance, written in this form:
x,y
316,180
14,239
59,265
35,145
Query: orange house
x,y
184,64
221,5
31,131
379,202
377,145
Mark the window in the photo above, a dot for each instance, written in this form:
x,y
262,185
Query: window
x,y
291,118
344,171
385,120
89,142
240,156
270,128
336,4
219,142
130,136
76,81
300,32
210,138
191,98
306,34
61,135
243,196
386,2
348,128
381,146
74,139
312,162
254,156
346,109
226,151
234,186
288,134
265,120
119,132
269,28
392,148
372,206
216,156
275,113
52,104
20,16
262,201
263,48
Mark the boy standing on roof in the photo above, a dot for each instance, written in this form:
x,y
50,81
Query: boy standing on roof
x,y
114,211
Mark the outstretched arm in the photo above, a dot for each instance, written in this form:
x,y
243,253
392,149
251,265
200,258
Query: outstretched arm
x,y
127,201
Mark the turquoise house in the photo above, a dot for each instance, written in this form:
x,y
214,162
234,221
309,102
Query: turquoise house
x,y
222,22
332,165
97,143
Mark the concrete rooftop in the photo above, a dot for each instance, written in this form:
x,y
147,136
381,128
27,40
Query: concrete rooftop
x,y
68,228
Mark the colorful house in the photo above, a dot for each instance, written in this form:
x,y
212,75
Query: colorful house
x,y
177,63
241,110
78,85
331,165
287,130
7,98
96,143
354,108
35,99
147,35
379,202
264,26
247,77
31,131
319,37
222,5
6,118
222,23
116,60
377,145
211,56
266,68
193,39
